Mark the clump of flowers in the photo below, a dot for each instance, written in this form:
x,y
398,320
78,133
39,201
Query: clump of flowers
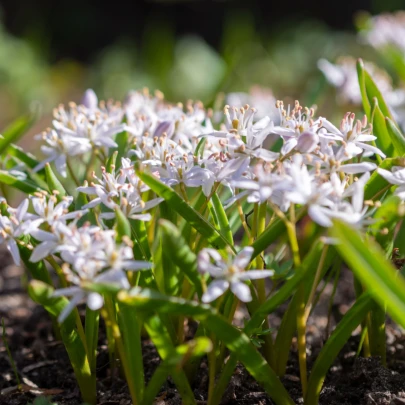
x,y
154,214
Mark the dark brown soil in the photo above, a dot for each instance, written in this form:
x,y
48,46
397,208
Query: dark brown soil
x,y
44,367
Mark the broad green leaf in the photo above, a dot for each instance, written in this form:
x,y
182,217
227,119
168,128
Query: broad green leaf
x,y
383,141
26,186
181,254
130,327
53,182
13,132
334,344
387,218
396,136
368,263
235,340
222,218
122,226
175,202
361,73
25,157
373,91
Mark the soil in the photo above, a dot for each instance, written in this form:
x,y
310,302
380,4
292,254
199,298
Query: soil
x,y
44,368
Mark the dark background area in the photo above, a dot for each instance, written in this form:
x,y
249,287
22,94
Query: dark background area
x,y
79,29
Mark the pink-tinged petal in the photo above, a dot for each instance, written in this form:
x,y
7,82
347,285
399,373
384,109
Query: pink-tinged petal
x,y
243,258
215,290
95,301
13,249
242,291
255,274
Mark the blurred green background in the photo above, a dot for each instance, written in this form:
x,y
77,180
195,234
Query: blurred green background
x,y
50,52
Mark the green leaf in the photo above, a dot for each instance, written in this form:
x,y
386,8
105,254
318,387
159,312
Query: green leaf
x,y
383,141
41,293
191,350
334,344
122,225
13,132
222,218
368,263
308,266
130,326
199,150
181,253
161,339
25,157
175,202
361,73
235,340
373,91
396,136
110,167
387,218
26,186
273,232
53,183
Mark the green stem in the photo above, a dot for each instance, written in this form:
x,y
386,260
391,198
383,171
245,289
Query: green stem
x,y
316,282
72,173
301,320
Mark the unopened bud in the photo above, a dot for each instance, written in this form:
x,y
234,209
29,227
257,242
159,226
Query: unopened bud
x,y
90,99
307,142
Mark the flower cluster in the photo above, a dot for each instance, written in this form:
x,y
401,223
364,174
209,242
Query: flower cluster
x,y
315,168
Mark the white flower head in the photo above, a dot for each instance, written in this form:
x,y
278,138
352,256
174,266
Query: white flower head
x,y
229,274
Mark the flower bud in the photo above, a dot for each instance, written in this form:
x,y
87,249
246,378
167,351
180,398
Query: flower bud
x,y
90,99
307,142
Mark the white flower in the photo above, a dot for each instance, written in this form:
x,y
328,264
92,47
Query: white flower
x,y
12,228
229,275
94,257
48,210
396,177
58,147
354,134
